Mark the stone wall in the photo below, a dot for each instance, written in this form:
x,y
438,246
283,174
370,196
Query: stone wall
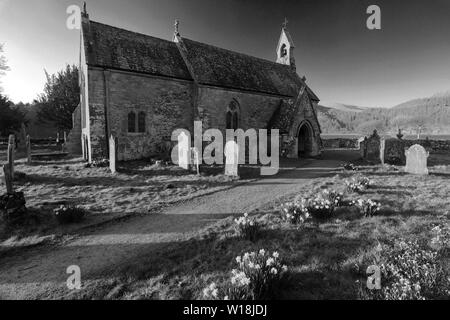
x,y
438,146
167,104
255,109
340,143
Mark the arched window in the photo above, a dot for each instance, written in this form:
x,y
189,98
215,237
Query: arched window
x,y
131,122
232,116
141,122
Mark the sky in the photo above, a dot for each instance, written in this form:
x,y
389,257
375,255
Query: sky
x,y
342,60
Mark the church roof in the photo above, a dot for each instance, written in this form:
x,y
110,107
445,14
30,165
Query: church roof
x,y
116,48
112,47
224,68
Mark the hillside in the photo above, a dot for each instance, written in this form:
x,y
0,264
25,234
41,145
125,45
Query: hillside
x,y
432,114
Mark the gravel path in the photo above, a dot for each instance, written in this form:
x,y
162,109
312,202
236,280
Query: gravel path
x,y
41,272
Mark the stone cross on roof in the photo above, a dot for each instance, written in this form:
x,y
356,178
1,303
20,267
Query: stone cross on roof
x,y
285,23
177,23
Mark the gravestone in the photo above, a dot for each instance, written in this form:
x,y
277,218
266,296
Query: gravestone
x,y
8,179
112,154
57,138
195,160
231,158
28,147
10,155
394,152
382,149
372,146
183,151
360,142
416,160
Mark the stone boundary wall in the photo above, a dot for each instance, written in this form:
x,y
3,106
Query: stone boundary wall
x,y
352,143
430,145
340,143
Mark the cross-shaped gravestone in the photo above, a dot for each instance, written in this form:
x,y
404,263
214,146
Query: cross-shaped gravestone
x,y
183,150
416,160
231,158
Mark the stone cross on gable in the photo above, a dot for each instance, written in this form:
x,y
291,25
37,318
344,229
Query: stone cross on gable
x,y
177,23
285,23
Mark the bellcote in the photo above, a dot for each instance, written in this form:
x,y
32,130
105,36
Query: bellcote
x,y
285,48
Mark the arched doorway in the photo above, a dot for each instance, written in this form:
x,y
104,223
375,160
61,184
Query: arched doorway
x,y
305,139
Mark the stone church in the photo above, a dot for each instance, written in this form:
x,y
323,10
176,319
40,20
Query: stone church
x,y
139,89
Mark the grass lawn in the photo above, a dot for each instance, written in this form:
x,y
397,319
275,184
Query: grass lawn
x,y
326,259
138,187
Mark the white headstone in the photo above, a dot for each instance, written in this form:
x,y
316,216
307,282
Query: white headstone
x,y
416,160
195,159
183,150
112,154
382,148
231,158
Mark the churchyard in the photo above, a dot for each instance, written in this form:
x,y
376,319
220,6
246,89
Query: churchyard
x,y
138,187
320,226
326,257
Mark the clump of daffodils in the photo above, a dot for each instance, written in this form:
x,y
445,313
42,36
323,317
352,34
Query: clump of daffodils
x,y
357,184
336,198
368,208
256,276
441,236
410,271
321,208
248,228
295,212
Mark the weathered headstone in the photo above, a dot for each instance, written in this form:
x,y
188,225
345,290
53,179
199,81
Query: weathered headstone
x,y
183,151
65,137
112,154
416,160
394,152
8,179
382,148
195,160
10,155
28,146
231,158
359,142
57,138
372,145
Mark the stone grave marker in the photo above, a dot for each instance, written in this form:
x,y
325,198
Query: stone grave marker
x,y
372,145
382,149
416,160
231,158
183,151
10,155
28,146
112,154
195,160
394,152
8,179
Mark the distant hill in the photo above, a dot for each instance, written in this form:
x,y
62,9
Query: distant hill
x,y
432,114
342,107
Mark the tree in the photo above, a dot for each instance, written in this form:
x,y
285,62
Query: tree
x,y
3,66
60,98
11,118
